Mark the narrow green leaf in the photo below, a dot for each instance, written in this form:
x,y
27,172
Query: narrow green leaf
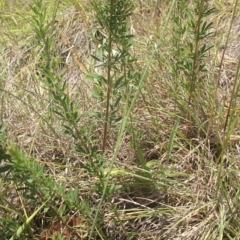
x,y
5,169
96,58
142,159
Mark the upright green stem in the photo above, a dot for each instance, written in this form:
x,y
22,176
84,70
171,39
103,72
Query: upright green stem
x,y
195,64
109,79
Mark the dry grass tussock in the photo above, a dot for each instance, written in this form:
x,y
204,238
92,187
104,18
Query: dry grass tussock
x,y
176,171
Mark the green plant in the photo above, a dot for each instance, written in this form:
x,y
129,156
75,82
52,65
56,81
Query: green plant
x,y
3,143
119,81
48,72
63,104
191,47
117,78
34,186
232,116
157,170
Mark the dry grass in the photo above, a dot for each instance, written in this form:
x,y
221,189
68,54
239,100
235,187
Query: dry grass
x,y
190,194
